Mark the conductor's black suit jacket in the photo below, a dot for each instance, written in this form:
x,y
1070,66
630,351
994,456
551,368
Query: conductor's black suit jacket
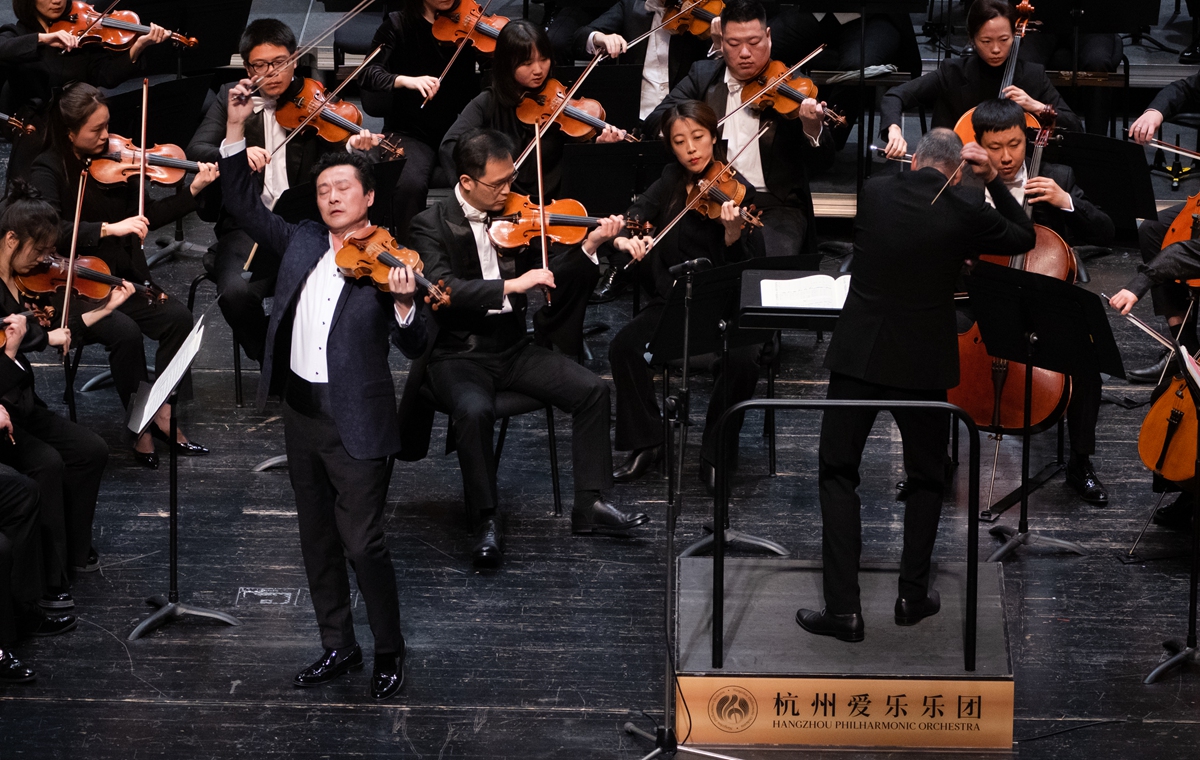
x,y
898,326
361,390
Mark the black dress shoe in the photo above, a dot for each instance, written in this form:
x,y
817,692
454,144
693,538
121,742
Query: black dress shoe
x,y
1082,478
842,627
708,476
604,519
388,676
1150,374
912,612
1178,514
487,552
149,461
12,671
334,663
57,600
48,625
183,449
611,285
93,562
1191,54
636,465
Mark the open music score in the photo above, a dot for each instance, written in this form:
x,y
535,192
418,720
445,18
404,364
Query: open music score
x,y
818,291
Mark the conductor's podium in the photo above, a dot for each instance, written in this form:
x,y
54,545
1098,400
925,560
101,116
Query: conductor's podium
x,y
781,686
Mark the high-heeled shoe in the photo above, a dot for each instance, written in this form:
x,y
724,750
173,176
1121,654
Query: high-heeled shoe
x,y
148,460
182,448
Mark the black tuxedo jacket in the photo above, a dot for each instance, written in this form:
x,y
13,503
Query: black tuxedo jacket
x,y
360,380
898,326
788,158
1180,96
1086,225
960,84
631,19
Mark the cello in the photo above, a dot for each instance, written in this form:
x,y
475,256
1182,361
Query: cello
x,y
993,390
963,127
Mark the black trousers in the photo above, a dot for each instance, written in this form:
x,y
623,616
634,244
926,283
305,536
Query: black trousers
x,y
1170,298
67,462
339,504
784,225
121,333
18,563
561,322
412,186
844,432
468,385
241,300
639,422
1083,412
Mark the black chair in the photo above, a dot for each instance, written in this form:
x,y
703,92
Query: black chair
x,y
509,404
237,349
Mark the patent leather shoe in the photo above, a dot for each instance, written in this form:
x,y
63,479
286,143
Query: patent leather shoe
x,y
1082,477
1149,374
487,552
149,461
334,663
49,625
847,627
636,465
57,600
93,562
182,448
1178,514
387,677
611,285
602,518
12,671
1191,54
909,612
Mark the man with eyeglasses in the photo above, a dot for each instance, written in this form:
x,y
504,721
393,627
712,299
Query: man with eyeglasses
x,y
266,48
481,348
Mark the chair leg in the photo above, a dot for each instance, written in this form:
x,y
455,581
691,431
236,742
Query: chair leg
x,y
69,385
553,460
237,373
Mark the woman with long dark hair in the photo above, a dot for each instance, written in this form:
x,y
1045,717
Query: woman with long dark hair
x,y
960,84
111,229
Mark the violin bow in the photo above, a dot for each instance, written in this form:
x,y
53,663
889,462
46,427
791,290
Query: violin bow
x,y
907,159
773,83
666,20
541,129
537,139
458,49
313,114
97,20
699,196
142,162
1161,145
949,179
66,307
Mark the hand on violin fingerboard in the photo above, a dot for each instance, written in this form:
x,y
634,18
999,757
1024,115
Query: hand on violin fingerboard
x,y
364,140
156,35
402,285
610,135
607,230
207,175
812,113
731,218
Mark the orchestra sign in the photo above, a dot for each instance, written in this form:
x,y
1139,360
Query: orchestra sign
x,y
846,712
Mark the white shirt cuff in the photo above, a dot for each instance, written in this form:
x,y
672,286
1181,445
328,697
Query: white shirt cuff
x,y
590,47
232,149
816,142
404,321
1071,208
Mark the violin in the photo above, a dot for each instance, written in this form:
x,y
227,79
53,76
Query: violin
x,y
93,280
165,164
336,121
372,252
716,186
116,30
692,17
580,118
466,23
963,127
19,127
567,222
775,88
43,315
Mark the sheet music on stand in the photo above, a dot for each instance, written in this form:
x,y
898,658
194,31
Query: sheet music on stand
x,y
149,398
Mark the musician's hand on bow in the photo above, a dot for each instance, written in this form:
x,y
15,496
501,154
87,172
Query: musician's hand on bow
x,y
1123,301
1022,98
637,247
14,333
402,284
608,229
134,225
534,278
240,106
715,33
611,44
156,35
60,338
1046,190
62,40
974,154
897,146
206,176
365,140
812,113
427,86
257,157
1143,130
610,135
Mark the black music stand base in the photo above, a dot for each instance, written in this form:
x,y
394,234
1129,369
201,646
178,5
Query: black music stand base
x,y
1181,654
1016,538
168,611
734,537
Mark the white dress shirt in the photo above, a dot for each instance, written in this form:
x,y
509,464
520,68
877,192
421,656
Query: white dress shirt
x,y
275,179
739,131
489,260
842,18
1017,189
655,71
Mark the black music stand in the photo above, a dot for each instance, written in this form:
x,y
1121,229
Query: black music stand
x,y
587,174
1047,323
617,85
1113,173
1185,651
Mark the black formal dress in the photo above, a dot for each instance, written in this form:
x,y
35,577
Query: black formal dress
x,y
339,433
20,576
35,72
410,49
896,338
788,157
167,322
960,84
65,459
476,354
242,300
639,422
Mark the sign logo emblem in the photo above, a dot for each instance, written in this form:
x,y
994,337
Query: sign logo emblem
x,y
732,709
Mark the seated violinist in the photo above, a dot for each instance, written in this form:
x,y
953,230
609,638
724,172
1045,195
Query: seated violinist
x,y
690,132
778,164
482,348
111,229
1057,203
266,48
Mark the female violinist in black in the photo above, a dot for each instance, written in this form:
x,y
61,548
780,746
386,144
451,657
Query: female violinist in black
x,y
960,84
690,131
111,229
38,62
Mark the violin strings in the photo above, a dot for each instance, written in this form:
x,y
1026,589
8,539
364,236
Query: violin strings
x,y
774,83
314,114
